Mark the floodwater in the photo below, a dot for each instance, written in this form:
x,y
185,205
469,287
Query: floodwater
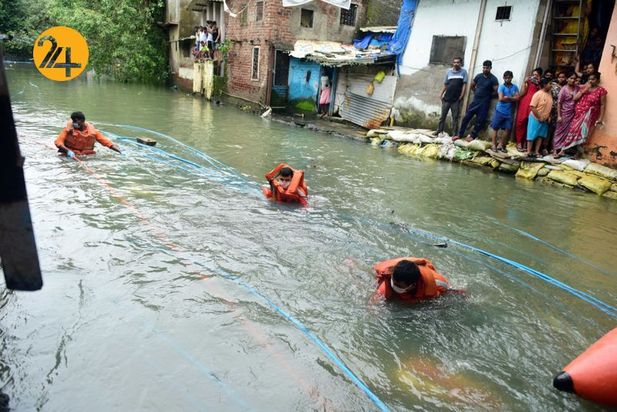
x,y
171,284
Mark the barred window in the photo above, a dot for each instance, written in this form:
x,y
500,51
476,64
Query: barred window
x,y
306,18
348,17
255,65
503,13
445,48
259,11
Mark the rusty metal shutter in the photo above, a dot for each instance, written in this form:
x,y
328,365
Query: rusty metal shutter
x,y
364,111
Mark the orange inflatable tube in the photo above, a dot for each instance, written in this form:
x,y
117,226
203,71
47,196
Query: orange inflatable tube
x,y
593,374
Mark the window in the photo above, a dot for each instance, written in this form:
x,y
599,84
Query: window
x,y
446,48
259,11
503,13
186,48
255,65
306,18
348,17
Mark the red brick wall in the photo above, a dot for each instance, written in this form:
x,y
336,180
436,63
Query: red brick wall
x,y
280,28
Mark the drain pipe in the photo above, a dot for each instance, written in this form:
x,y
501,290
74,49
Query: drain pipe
x,y
474,56
536,61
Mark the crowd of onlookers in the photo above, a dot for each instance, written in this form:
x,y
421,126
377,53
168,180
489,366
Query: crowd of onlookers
x,y
556,110
206,40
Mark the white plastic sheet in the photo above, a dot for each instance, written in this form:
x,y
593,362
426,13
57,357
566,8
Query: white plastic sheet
x,y
343,4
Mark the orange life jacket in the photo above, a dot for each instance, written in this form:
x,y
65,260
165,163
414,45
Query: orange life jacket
x,y
431,284
80,141
593,374
290,194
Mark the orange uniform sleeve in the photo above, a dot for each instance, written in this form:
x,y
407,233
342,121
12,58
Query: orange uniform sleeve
x,y
61,138
103,140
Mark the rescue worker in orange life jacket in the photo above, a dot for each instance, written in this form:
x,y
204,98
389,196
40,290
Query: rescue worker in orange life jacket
x,y
411,280
284,179
79,136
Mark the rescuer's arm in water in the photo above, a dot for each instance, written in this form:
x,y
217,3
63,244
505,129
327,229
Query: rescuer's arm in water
x,y
106,142
59,142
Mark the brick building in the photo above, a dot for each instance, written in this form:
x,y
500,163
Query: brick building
x,y
264,31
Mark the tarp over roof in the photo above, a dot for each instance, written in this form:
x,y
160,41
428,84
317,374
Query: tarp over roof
x,y
336,54
344,4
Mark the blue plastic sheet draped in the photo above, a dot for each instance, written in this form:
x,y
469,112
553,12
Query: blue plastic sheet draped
x,y
403,30
372,39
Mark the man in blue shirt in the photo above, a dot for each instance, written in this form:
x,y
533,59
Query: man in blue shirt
x,y
484,86
502,119
451,94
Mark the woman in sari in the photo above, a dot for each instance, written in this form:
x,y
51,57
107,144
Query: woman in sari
x,y
590,105
531,85
565,112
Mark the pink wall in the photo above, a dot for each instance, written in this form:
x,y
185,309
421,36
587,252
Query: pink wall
x,y
602,146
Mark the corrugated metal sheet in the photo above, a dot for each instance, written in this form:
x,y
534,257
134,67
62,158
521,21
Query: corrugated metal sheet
x,y
364,111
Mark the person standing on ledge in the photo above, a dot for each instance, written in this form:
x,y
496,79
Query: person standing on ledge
x,y
452,94
79,136
484,87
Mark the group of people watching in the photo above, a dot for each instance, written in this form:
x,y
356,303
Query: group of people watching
x,y
556,112
206,39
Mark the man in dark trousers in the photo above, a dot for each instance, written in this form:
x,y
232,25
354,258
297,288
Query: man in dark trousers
x,y
484,86
451,94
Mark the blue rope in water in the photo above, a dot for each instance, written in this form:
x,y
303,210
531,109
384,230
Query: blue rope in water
x,y
300,326
604,307
222,177
558,249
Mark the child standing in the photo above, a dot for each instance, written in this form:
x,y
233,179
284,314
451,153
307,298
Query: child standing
x,y
537,127
502,119
324,96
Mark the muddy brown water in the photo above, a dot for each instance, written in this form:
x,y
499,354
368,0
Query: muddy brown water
x,y
154,267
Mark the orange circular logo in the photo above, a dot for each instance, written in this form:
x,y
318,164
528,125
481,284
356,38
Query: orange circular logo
x,y
60,53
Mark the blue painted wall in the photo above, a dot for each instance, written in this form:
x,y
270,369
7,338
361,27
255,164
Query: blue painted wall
x,y
300,90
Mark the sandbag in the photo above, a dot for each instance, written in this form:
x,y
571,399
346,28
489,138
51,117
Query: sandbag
x,y
431,151
442,140
508,167
375,141
573,171
610,195
529,170
482,160
579,165
376,132
460,143
494,164
614,187
563,177
602,171
408,149
403,136
479,145
596,184
422,138
447,151
543,172
462,154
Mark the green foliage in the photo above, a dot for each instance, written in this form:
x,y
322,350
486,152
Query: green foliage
x,y
125,42
24,20
224,48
